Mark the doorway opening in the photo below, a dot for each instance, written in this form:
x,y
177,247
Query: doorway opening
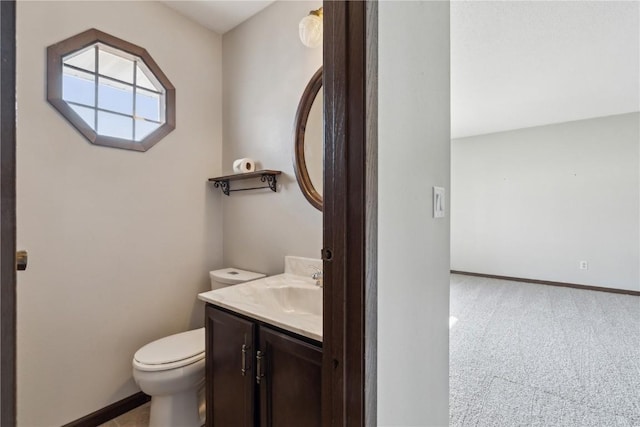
x,y
545,219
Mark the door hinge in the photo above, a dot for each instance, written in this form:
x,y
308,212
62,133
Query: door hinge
x,y
21,260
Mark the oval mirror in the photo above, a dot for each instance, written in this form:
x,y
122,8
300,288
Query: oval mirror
x,y
309,141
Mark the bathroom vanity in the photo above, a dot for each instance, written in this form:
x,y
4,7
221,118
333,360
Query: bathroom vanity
x,y
257,375
264,350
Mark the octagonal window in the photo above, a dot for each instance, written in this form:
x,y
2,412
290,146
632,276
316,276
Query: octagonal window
x,y
110,90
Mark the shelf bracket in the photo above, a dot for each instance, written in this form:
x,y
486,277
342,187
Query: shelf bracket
x,y
271,181
269,177
224,184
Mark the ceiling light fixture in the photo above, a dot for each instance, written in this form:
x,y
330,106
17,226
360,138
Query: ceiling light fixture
x,y
311,28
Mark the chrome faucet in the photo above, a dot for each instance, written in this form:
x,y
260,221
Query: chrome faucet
x,y
317,276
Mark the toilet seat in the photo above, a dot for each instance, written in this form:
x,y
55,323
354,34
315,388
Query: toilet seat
x,y
174,351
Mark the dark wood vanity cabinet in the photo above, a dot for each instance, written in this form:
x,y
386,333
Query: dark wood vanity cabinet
x,y
291,386
230,391
257,376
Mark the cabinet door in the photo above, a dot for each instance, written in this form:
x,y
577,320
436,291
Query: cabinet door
x,y
230,373
290,383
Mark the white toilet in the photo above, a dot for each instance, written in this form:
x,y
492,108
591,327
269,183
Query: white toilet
x,y
171,369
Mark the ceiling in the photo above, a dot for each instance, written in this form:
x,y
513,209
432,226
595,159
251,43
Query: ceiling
x,y
219,16
516,64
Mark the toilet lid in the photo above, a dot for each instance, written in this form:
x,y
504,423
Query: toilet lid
x,y
173,348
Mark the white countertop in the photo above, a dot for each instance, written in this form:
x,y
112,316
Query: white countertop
x,y
288,301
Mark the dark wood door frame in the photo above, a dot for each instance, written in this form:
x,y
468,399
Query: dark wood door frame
x,y
350,214
8,213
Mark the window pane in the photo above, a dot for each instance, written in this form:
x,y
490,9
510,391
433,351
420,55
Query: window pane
x,y
85,59
87,114
115,96
143,80
78,86
148,105
114,66
115,125
104,85
144,128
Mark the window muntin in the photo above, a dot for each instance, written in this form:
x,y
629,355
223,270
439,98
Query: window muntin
x,y
110,90
117,87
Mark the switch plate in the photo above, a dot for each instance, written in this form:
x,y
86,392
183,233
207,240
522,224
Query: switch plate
x,y
439,202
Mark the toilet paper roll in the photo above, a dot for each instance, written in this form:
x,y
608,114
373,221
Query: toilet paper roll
x,y
244,165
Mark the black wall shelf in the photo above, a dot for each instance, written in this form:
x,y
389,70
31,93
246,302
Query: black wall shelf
x,y
267,176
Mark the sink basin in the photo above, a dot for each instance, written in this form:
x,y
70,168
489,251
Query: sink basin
x,y
289,301
294,299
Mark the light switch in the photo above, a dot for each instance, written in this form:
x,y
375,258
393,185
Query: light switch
x,y
438,202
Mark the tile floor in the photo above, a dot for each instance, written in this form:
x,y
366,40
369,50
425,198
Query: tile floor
x,y
138,417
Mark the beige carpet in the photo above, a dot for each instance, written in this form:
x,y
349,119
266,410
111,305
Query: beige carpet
x,y
535,355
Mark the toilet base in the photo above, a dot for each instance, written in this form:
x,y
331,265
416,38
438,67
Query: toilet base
x,y
175,397
179,409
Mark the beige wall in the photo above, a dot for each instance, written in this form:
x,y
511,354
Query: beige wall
x,y
119,242
413,263
533,203
266,69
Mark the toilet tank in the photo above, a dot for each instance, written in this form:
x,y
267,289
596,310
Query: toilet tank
x,y
231,276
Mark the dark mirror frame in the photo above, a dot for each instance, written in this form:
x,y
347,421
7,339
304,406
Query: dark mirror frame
x,y
299,163
55,55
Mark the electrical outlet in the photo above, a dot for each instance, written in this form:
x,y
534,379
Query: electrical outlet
x,y
584,265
